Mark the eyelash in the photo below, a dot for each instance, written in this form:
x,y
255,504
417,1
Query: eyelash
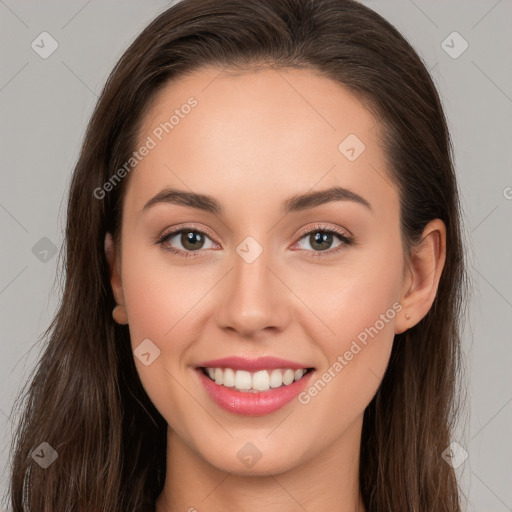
x,y
345,239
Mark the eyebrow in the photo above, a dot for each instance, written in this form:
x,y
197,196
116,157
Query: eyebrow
x,y
293,204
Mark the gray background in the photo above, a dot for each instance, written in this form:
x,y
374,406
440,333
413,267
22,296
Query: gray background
x,y
46,103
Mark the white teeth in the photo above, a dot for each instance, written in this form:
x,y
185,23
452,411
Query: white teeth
x,y
288,377
229,378
243,380
261,380
276,379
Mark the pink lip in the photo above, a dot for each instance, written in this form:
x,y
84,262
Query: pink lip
x,y
252,404
252,365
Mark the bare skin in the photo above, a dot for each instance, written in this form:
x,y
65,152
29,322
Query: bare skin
x,y
253,141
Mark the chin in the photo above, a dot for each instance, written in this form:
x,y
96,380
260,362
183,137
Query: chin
x,y
249,461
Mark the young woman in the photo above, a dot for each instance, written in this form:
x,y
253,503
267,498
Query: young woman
x,y
263,277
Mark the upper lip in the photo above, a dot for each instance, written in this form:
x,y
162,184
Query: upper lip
x,y
252,365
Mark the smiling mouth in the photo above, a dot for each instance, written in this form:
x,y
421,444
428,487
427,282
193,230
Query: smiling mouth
x,y
254,382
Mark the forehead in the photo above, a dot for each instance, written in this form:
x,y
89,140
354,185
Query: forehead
x,y
264,134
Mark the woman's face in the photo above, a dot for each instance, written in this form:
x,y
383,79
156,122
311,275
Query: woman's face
x,y
277,270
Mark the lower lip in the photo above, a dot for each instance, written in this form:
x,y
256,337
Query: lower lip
x,y
253,404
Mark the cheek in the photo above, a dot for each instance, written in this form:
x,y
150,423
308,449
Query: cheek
x,y
348,299
357,356
165,303
157,311
358,306
159,295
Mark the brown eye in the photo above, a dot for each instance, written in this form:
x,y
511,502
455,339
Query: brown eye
x,y
192,240
185,241
321,240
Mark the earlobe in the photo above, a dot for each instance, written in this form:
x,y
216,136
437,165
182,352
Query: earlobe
x,y
424,270
119,312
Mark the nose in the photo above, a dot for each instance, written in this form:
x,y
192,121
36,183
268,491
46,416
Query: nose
x,y
254,299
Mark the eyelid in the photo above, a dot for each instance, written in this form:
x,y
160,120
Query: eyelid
x,y
190,227
324,227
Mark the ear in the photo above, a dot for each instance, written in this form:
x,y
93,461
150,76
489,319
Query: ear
x,y
113,259
423,272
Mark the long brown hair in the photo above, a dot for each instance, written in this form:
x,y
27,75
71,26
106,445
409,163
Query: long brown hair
x,y
86,400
